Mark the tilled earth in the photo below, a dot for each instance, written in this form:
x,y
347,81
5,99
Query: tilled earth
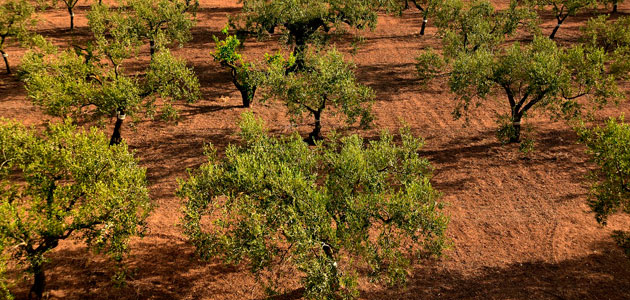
x,y
520,224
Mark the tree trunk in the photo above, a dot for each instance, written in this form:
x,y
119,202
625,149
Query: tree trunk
x,y
116,136
71,18
247,95
316,134
152,48
39,282
424,23
555,30
516,123
6,60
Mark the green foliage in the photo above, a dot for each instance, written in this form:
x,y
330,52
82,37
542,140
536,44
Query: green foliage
x,y
610,148
17,22
326,81
4,288
614,38
245,76
326,212
66,183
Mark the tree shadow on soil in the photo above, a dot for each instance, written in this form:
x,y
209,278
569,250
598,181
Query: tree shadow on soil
x,y
604,275
166,270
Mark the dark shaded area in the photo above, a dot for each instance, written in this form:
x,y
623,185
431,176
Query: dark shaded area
x,y
596,276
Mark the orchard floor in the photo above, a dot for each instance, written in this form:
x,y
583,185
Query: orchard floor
x,y
520,224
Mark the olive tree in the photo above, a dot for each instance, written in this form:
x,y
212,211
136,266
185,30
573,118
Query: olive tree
x,y
325,83
66,183
562,9
306,21
530,74
323,212
610,190
245,76
17,22
78,83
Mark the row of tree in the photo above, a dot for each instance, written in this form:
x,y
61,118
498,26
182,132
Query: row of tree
x,y
328,210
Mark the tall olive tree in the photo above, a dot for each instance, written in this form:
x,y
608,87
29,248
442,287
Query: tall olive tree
x,y
323,213
66,183
325,83
306,21
78,84
529,74
17,22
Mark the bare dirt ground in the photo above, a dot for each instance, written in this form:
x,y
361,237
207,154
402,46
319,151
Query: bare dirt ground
x,y
520,225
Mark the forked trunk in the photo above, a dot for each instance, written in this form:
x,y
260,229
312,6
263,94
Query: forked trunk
x,y
116,136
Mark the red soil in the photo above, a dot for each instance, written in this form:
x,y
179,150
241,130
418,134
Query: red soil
x,y
520,225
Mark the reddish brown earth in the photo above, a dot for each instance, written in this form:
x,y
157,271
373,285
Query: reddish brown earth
x,y
520,225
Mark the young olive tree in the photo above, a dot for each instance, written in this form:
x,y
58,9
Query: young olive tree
x,y
306,21
610,191
325,82
562,9
74,83
17,22
66,183
245,76
324,212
